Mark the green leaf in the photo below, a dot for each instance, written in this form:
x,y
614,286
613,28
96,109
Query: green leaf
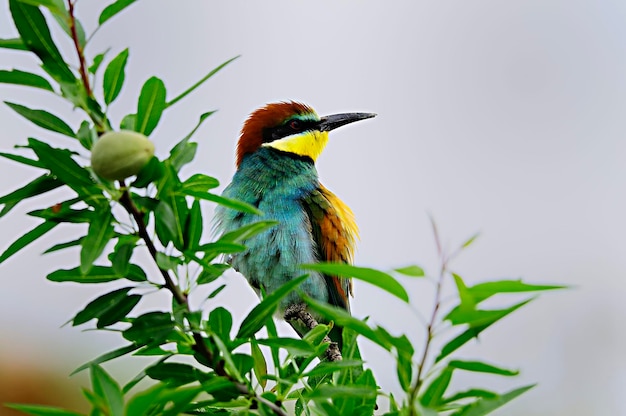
x,y
193,227
184,151
329,367
43,119
343,319
480,367
172,373
260,365
108,309
114,77
221,322
247,231
107,388
295,347
150,106
129,122
97,61
229,363
471,393
413,271
15,43
23,160
97,274
327,391
197,84
211,272
123,251
150,173
18,77
375,277
63,246
487,405
61,165
38,410
437,388
98,235
113,9
166,223
264,310
86,135
97,307
200,183
107,357
485,290
470,240
38,186
27,238
33,30
480,317
227,202
151,327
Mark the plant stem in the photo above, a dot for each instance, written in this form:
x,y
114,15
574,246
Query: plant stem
x,y
199,344
430,328
79,49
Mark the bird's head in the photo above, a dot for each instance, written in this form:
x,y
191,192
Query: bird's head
x,y
290,127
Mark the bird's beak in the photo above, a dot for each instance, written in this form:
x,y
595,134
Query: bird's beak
x,y
328,123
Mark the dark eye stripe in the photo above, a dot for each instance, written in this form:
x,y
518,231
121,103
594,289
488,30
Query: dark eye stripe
x,y
291,127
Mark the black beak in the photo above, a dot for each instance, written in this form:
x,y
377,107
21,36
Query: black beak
x,y
328,123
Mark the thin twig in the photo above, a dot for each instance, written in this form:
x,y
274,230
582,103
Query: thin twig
x,y
430,329
199,344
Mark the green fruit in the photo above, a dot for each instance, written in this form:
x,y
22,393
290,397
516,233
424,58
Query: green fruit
x,y
120,154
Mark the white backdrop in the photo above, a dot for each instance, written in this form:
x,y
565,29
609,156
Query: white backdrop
x,y
504,117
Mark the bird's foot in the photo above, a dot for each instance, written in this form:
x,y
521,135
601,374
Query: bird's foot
x,y
299,311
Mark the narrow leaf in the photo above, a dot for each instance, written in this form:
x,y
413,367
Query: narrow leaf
x,y
480,367
264,310
197,84
33,30
102,304
38,410
437,388
375,277
227,202
43,119
260,364
114,77
113,9
97,274
487,405
36,187
107,388
150,106
18,77
413,271
485,290
98,235
15,43
26,239
108,357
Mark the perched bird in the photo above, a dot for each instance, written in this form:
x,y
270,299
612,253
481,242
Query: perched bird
x,y
276,173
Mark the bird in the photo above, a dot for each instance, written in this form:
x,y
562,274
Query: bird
x,y
276,173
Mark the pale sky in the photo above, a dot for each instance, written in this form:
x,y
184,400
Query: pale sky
x,y
504,117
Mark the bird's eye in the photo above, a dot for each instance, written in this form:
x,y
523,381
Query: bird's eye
x,y
295,125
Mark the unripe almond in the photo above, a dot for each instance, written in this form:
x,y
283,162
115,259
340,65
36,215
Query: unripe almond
x,y
120,154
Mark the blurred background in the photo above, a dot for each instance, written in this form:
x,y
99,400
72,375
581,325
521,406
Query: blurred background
x,y
498,117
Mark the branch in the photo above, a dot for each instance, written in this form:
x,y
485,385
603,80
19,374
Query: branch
x,y
298,311
79,49
199,344
431,324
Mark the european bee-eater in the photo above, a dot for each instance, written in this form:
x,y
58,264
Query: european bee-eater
x,y
276,173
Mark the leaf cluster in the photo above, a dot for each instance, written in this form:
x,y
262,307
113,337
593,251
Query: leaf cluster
x,y
204,361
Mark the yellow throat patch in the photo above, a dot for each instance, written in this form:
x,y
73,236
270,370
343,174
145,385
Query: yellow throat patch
x,y
309,143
